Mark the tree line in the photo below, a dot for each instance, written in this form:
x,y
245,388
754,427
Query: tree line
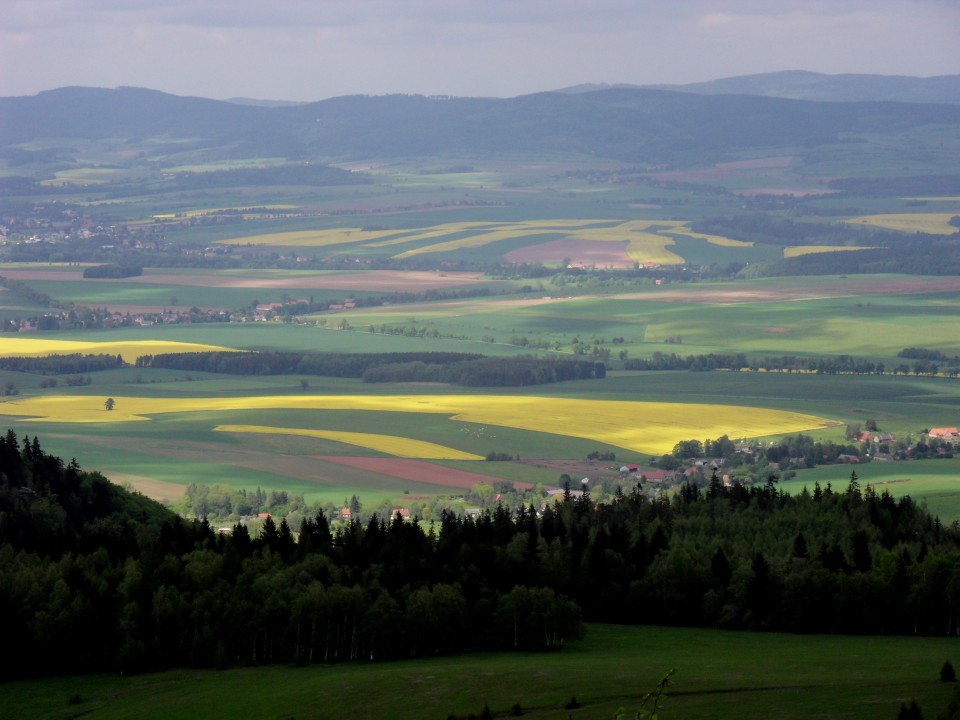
x,y
466,369
286,363
74,363
93,577
112,270
835,365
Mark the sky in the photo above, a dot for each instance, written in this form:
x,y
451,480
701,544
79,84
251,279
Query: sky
x,y
306,50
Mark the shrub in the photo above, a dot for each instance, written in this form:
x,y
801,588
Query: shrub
x,y
910,712
947,673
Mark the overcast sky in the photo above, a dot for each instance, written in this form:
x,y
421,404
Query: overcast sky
x,y
315,49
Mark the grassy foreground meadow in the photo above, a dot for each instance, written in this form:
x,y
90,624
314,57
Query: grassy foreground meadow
x,y
748,676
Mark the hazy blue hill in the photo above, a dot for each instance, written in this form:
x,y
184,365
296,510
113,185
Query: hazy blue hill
x,y
83,112
262,103
802,85
626,124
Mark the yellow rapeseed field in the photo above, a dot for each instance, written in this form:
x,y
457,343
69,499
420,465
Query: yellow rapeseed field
x,y
799,250
647,240
311,238
438,231
648,427
390,444
652,248
933,223
130,350
642,246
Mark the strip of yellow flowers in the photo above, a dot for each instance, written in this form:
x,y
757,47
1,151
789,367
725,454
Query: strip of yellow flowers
x,y
391,444
130,350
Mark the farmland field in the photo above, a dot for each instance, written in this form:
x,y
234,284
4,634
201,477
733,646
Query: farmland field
x,y
389,444
864,316
647,241
180,447
650,428
937,223
130,349
718,675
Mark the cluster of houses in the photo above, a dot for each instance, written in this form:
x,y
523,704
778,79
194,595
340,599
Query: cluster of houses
x,y
275,311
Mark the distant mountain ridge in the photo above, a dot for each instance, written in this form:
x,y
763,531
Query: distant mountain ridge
x,y
803,85
632,125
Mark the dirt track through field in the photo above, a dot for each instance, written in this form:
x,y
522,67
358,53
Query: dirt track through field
x,y
370,281
802,289
158,490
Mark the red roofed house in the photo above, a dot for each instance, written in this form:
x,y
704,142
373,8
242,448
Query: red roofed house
x,y
950,434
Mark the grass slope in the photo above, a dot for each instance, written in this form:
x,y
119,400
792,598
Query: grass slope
x,y
748,676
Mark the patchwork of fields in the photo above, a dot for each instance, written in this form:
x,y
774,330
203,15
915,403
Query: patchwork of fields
x,y
288,430
499,210
646,241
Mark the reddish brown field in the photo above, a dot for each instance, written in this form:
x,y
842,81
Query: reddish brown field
x,y
581,253
417,470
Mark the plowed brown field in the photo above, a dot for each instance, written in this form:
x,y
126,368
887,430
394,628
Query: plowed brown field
x,y
418,470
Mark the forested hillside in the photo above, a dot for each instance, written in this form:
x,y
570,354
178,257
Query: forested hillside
x,y
626,124
93,577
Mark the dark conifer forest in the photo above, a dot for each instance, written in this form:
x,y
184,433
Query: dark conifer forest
x,y
93,577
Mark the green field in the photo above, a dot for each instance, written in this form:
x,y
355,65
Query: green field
x,y
749,676
810,318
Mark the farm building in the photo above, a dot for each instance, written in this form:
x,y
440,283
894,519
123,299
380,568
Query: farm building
x,y
950,434
657,476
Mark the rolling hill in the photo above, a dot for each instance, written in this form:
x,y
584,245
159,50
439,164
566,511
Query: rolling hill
x,y
803,85
631,125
